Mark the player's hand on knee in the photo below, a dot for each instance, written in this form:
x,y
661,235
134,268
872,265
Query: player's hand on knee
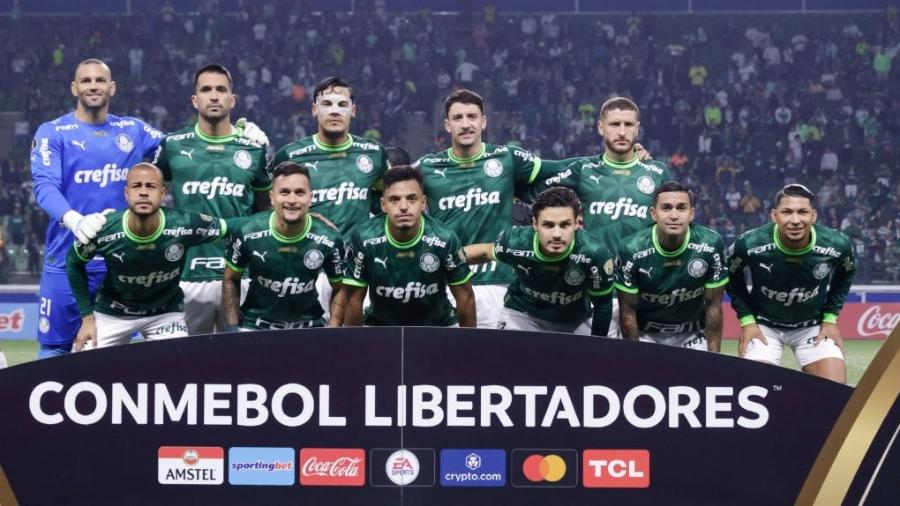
x,y
830,331
251,131
748,333
87,334
642,152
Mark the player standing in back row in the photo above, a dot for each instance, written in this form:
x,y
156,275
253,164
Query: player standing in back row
x,y
214,171
801,273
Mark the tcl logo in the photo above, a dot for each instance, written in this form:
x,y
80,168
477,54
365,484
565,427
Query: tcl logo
x,y
336,467
616,468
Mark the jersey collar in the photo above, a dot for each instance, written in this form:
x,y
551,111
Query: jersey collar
x,y
794,252
212,139
654,233
289,240
344,146
620,165
410,243
460,161
536,247
145,239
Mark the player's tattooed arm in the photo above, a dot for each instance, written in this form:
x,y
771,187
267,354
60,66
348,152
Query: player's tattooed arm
x,y
353,311
231,299
480,253
628,315
712,298
465,304
338,303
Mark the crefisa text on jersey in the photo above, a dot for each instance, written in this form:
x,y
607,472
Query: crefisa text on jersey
x,y
294,404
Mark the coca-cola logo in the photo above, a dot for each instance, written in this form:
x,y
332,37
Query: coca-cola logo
x,y
334,467
875,323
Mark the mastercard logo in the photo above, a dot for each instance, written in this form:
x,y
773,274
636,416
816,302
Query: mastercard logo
x,y
539,468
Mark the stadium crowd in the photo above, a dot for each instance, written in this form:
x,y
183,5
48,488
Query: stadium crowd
x,y
737,106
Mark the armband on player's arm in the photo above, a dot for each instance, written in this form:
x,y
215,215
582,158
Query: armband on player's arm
x,y
76,271
480,253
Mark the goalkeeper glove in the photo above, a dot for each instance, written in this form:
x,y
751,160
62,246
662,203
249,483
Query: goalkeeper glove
x,y
251,131
87,227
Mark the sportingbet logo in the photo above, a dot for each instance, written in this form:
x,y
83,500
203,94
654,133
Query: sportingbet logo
x,y
110,173
290,286
190,465
622,207
333,467
675,297
261,466
12,322
465,202
337,196
412,290
218,186
872,322
150,279
616,468
795,296
560,298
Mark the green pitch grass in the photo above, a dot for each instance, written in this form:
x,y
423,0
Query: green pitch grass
x,y
859,354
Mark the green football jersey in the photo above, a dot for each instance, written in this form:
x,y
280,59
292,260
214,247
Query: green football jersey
x,y
670,285
616,197
142,272
474,196
343,177
407,281
212,175
283,270
556,289
791,288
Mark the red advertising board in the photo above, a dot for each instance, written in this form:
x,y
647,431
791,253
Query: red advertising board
x,y
856,321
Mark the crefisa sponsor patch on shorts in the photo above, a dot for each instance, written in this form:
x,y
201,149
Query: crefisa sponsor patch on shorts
x,y
261,466
191,465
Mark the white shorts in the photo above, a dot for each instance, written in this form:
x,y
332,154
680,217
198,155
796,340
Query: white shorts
x,y
203,311
116,330
510,319
802,341
689,340
3,362
323,287
488,304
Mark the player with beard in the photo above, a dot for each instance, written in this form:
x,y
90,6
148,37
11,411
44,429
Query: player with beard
x,y
283,252
563,273
213,170
144,248
405,260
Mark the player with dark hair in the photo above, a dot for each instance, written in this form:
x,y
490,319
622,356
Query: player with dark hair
x,y
471,187
283,251
670,277
561,270
213,170
801,273
405,260
144,247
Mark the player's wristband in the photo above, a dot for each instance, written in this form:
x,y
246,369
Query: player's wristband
x,y
747,320
829,318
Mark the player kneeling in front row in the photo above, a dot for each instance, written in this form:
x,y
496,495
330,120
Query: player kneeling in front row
x,y
405,261
801,273
670,277
560,270
144,248
284,250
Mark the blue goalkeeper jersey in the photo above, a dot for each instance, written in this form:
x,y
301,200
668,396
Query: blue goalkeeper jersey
x,y
80,166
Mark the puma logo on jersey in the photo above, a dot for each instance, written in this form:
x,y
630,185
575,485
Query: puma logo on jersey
x,y
526,269
382,261
645,271
443,173
314,165
767,267
189,154
262,256
120,256
595,179
80,144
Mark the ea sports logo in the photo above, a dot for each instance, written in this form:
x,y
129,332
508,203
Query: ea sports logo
x,y
574,277
242,159
646,185
429,263
124,143
402,467
493,167
538,468
822,270
313,259
364,164
174,252
697,268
